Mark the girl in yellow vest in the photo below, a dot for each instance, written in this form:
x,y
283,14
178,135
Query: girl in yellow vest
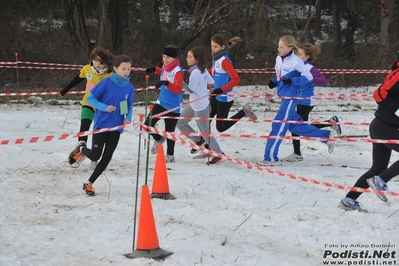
x,y
98,69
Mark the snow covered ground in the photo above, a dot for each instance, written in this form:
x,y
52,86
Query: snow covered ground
x,y
224,214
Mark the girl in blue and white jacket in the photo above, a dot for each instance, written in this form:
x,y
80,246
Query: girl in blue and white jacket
x,y
291,75
169,99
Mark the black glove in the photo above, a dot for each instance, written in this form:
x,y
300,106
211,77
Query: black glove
x,y
150,70
64,91
271,84
160,83
287,81
217,91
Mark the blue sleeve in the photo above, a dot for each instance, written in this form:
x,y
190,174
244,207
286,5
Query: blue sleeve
x,y
299,81
96,104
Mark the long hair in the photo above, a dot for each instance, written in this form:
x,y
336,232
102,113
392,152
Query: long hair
x,y
310,50
198,54
103,55
222,40
290,41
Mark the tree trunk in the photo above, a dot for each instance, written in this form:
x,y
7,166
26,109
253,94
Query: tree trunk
x,y
317,24
388,14
336,27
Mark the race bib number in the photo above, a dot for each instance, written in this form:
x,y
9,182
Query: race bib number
x,y
123,107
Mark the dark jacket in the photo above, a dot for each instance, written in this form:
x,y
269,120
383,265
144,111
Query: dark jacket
x,y
387,98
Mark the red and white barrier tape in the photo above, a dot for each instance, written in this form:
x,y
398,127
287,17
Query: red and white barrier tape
x,y
266,169
62,136
238,95
8,94
243,71
269,121
193,145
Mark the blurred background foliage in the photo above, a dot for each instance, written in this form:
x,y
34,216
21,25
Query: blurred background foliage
x,y
352,34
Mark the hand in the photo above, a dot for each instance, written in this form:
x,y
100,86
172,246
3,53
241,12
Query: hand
x,y
126,122
287,81
63,92
160,83
217,91
271,84
150,70
111,108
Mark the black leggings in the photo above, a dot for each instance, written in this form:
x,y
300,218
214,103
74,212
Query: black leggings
x,y
170,126
84,126
221,110
110,140
85,121
303,111
381,155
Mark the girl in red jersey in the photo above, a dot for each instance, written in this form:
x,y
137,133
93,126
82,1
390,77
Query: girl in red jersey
x,y
226,78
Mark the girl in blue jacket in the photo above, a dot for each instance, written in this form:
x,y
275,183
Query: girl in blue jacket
x,y
113,99
291,75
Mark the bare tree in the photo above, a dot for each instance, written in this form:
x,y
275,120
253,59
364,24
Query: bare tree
x,y
206,15
389,11
85,33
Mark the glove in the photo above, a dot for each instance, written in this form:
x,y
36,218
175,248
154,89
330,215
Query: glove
x,y
150,70
271,84
217,91
287,81
160,83
63,92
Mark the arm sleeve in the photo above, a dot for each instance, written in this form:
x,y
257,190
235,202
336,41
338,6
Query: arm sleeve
x,y
72,84
158,70
390,87
96,104
177,86
318,78
235,79
193,81
209,79
187,88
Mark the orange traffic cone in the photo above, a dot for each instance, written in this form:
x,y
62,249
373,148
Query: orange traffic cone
x,y
147,237
160,184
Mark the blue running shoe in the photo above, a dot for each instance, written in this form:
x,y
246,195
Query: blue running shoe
x,y
337,127
349,204
376,183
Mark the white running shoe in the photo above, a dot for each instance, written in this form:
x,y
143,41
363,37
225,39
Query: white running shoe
x,y
330,143
337,127
169,158
248,112
202,155
293,158
154,148
267,163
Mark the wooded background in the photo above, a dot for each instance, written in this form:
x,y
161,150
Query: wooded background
x,y
352,34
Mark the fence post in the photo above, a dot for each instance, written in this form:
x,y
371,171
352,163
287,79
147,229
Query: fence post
x,y
16,60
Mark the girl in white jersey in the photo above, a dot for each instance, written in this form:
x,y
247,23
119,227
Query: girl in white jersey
x,y
199,103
